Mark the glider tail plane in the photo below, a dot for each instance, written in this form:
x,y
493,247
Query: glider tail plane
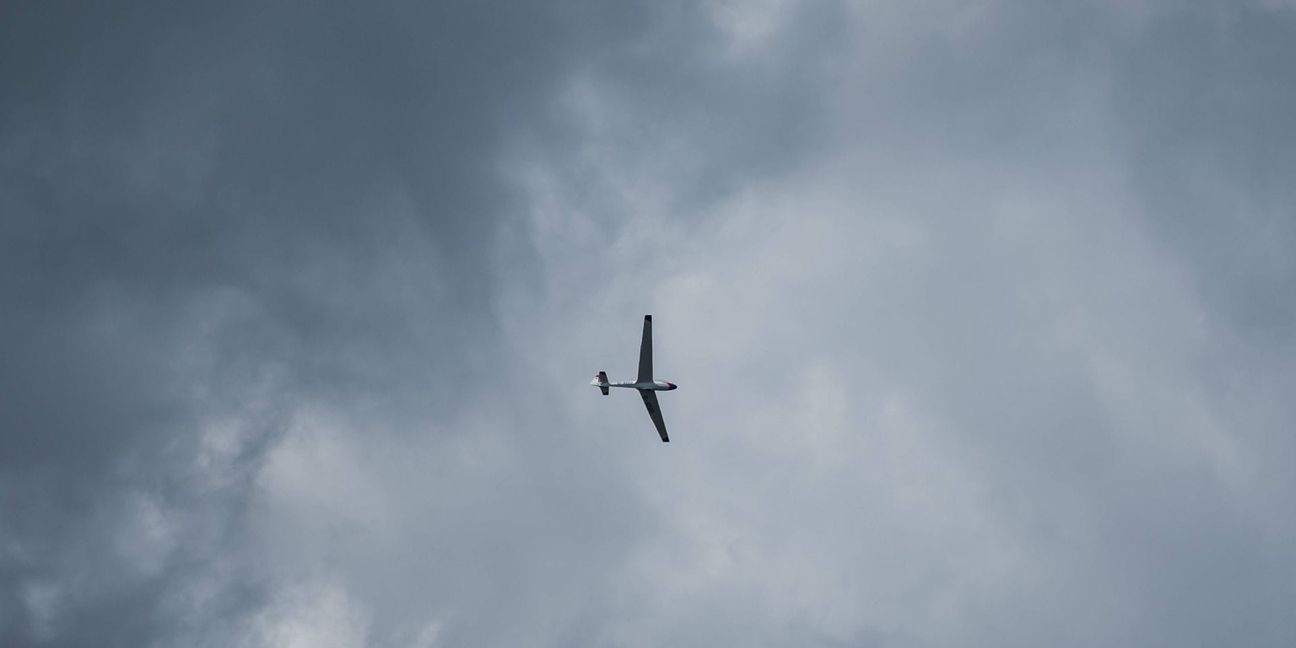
x,y
601,381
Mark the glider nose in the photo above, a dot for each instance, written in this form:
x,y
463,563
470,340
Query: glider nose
x,y
672,386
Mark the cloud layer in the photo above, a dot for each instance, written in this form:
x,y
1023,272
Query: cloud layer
x,y
981,314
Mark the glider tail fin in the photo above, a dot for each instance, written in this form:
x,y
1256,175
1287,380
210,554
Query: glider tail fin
x,y
601,381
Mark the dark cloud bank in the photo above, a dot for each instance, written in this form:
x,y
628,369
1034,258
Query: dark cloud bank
x,y
982,314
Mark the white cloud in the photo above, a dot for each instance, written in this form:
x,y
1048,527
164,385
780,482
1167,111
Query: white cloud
x,y
309,615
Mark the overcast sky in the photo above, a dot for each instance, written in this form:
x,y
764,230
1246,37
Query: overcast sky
x,y
983,316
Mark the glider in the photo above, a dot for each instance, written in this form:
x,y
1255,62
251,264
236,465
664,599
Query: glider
x,y
647,387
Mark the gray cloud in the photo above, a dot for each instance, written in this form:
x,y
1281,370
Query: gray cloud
x,y
213,219
978,313
1204,104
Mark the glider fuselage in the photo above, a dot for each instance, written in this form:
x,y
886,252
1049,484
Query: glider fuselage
x,y
656,385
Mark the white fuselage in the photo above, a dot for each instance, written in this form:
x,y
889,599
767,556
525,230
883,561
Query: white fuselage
x,y
656,385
